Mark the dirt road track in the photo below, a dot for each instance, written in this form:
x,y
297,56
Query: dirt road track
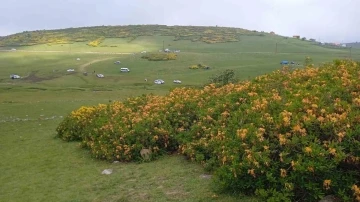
x,y
82,67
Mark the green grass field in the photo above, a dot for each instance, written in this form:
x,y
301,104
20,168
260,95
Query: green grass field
x,y
35,166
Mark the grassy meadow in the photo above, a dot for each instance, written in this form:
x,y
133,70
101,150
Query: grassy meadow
x,y
36,166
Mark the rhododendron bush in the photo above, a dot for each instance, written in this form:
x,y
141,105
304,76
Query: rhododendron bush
x,y
288,135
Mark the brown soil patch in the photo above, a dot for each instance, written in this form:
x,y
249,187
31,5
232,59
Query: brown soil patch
x,y
32,77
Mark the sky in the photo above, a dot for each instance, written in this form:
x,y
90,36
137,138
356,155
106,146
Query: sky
x,y
324,20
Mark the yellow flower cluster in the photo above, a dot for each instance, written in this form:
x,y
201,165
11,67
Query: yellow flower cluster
x,y
241,133
356,191
286,117
326,184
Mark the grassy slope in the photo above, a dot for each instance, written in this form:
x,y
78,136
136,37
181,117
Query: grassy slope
x,y
37,167
154,43
250,57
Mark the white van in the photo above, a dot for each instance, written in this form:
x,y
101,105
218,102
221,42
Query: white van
x,y
125,70
159,81
14,76
100,75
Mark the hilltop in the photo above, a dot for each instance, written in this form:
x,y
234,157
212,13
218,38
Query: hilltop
x,y
137,38
95,35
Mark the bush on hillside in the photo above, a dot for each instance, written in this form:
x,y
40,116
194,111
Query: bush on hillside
x,y
308,61
96,42
288,135
160,56
199,66
212,39
223,78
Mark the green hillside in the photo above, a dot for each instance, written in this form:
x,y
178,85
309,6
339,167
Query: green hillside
x,y
135,38
95,35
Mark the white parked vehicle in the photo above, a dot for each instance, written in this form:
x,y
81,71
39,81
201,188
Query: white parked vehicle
x,y
100,75
117,62
159,81
70,70
14,76
77,59
125,70
177,81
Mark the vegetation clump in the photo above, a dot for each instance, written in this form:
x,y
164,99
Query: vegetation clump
x,y
199,66
308,61
224,78
96,42
284,136
160,56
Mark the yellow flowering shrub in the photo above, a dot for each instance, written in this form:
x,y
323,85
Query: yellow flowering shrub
x,y
96,42
291,136
160,56
198,66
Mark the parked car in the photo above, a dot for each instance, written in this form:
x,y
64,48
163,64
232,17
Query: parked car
x,y
125,70
14,76
159,81
117,62
177,81
292,62
70,70
284,62
100,75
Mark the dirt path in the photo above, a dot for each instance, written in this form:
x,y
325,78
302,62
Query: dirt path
x,y
82,67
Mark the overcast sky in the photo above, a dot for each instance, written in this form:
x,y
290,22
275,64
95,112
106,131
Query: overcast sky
x,y
324,20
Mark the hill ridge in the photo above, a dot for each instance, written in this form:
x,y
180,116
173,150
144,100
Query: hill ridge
x,y
95,34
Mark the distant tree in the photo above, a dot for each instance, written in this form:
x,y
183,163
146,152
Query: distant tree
x,y
225,77
308,61
304,38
